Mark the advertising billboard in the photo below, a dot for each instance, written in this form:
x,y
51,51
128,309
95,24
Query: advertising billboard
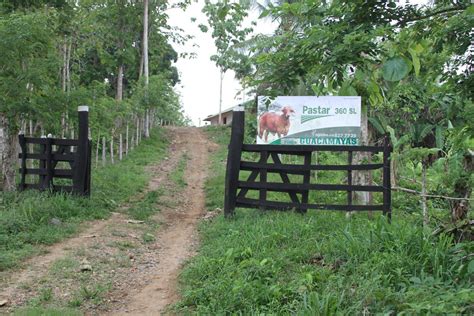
x,y
308,120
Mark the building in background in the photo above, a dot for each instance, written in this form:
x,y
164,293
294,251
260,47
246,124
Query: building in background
x,y
226,117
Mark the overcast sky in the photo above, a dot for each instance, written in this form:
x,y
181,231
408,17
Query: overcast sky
x,y
199,87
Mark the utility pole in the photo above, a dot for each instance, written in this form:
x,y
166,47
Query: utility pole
x,y
220,97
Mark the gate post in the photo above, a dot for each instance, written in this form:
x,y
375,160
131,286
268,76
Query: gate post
x,y
23,147
387,186
233,160
82,174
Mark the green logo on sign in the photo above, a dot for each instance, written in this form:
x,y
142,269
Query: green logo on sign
x,y
307,118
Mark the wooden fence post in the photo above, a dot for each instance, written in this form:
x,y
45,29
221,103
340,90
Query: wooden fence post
x,y
233,160
104,149
97,151
80,180
126,141
23,161
120,147
387,186
138,131
49,164
112,149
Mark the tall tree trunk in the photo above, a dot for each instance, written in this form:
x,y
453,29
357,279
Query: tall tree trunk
x,y
104,149
140,71
147,123
68,67
63,75
63,125
68,84
119,93
145,65
145,41
138,130
9,154
63,83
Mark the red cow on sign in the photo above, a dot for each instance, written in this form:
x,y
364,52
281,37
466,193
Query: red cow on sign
x,y
274,123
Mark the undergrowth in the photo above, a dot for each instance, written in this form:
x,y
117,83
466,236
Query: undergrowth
x,y
321,263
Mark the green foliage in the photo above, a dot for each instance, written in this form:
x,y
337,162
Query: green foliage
x,y
146,207
321,263
178,174
39,311
214,188
407,62
57,55
27,62
225,19
395,69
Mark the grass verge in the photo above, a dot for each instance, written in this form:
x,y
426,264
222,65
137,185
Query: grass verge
x,y
321,263
31,218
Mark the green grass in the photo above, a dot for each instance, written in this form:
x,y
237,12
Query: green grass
x,y
321,263
26,218
177,176
39,311
143,209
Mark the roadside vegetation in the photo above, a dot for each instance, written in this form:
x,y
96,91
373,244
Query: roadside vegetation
x,y
31,219
322,262
83,280
412,71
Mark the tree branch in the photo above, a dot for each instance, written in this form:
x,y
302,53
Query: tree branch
x,y
434,13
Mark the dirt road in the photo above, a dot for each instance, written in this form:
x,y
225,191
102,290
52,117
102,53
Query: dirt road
x,y
178,237
139,277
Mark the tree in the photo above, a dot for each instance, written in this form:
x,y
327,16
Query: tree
x,y
26,66
59,54
408,62
225,19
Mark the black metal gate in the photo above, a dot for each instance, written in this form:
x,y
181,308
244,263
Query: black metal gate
x,y
236,191
75,153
